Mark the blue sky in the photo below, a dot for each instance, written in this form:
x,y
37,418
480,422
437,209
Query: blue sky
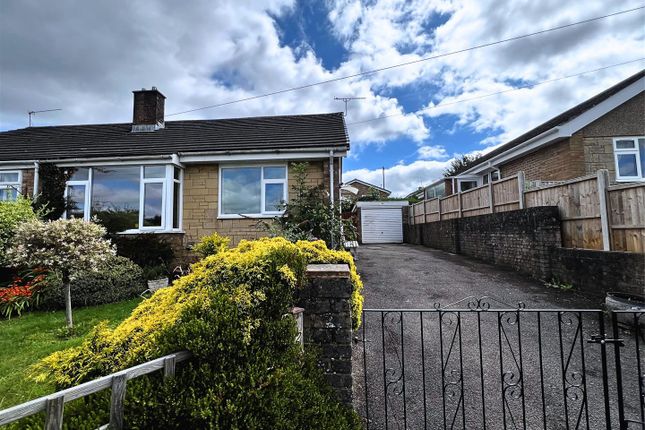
x,y
87,57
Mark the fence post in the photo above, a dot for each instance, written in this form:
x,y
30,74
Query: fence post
x,y
54,413
520,188
116,401
439,208
169,367
459,202
603,183
491,200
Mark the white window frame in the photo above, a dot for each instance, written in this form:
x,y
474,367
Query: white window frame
x,y
12,185
88,194
167,181
632,151
263,182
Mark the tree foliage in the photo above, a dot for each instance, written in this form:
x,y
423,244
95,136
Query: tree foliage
x,y
51,197
461,163
12,214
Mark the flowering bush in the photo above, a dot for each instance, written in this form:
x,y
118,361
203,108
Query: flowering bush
x,y
62,246
23,292
12,214
211,245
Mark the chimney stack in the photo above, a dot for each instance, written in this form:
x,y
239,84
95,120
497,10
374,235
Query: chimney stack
x,y
148,112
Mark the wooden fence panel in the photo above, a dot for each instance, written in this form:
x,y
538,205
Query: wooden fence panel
x,y
579,206
506,195
627,217
475,201
432,210
450,207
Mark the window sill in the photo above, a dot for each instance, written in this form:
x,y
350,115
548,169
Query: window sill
x,y
132,232
266,216
634,179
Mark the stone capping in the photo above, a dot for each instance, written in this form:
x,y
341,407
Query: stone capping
x,y
327,271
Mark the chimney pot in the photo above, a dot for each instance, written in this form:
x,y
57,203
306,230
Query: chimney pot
x,y
148,113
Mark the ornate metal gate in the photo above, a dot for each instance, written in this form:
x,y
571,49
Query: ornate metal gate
x,y
482,364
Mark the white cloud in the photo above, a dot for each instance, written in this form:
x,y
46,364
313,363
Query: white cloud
x,y
427,152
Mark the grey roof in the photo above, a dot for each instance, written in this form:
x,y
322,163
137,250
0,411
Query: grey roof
x,y
280,133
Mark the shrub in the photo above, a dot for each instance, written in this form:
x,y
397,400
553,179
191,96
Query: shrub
x,y
12,214
114,280
246,370
61,246
146,250
211,245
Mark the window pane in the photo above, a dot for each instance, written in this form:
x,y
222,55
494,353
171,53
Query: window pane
x,y
115,197
627,165
8,194
641,146
275,173
9,177
625,144
79,173
76,201
154,171
485,179
152,204
241,190
494,176
273,197
467,185
175,204
177,171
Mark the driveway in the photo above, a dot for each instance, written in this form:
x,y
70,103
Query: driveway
x,y
500,369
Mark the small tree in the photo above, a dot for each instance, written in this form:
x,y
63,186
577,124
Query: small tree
x,y
309,214
461,163
64,246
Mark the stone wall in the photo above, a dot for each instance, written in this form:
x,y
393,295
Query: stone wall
x,y
529,241
328,323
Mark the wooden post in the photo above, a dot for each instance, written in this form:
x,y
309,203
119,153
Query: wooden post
x,y
439,208
54,413
490,197
520,188
116,401
423,205
603,183
169,367
459,202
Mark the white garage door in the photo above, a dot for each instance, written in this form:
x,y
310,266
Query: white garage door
x,y
383,225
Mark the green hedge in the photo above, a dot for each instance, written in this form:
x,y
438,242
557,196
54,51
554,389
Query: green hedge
x,y
246,371
12,214
115,280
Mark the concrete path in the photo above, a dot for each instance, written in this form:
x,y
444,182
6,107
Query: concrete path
x,y
490,394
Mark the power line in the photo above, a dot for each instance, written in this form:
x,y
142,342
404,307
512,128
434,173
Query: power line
x,y
408,63
535,84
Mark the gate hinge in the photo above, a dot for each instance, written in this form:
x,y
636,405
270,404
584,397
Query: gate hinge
x,y
602,339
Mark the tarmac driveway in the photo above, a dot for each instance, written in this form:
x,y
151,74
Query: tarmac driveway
x,y
479,369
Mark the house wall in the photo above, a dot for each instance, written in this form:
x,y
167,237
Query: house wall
x,y
364,190
201,183
586,151
28,182
597,138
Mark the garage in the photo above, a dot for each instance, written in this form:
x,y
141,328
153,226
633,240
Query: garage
x,y
381,222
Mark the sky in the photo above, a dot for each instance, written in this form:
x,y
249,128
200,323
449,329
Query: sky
x,y
86,58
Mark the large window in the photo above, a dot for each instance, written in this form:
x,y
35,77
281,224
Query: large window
x,y
127,198
252,190
10,182
629,153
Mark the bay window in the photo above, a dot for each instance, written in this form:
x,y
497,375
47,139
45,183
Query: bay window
x,y
629,155
126,198
252,190
10,183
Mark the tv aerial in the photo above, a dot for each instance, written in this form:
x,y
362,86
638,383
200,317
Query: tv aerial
x,y
34,112
347,100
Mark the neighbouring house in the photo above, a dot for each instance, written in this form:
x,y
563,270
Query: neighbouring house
x,y
356,190
179,179
605,132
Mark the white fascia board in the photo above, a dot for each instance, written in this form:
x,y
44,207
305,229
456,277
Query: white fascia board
x,y
564,130
259,156
379,204
17,166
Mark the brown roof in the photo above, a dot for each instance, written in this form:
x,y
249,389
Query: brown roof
x,y
280,133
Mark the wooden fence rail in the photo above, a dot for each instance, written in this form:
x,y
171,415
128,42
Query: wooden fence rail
x,y
54,404
594,215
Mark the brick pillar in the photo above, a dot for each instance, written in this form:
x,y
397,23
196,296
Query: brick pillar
x,y
328,323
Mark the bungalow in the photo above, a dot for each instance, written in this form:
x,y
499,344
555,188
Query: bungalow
x,y
605,132
355,189
179,179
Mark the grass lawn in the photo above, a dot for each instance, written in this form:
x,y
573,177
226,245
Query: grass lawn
x,y
25,340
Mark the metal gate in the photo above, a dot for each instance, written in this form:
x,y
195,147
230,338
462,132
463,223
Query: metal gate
x,y
482,364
